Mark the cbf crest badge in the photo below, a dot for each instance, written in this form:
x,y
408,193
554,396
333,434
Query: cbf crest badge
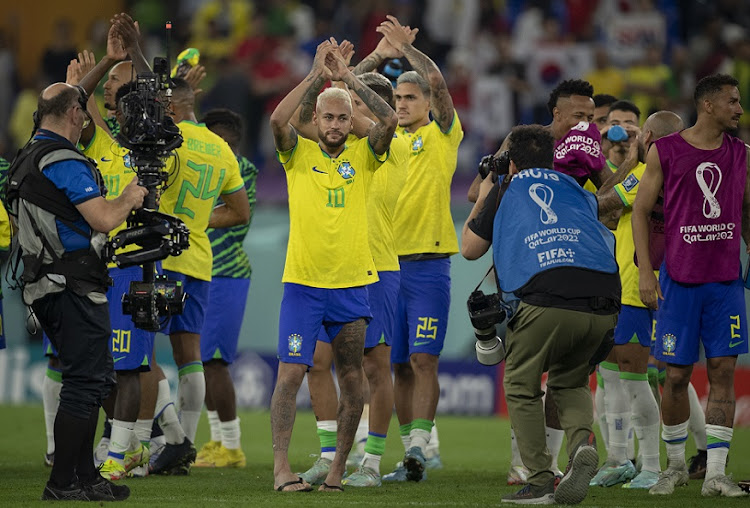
x,y
669,343
295,344
346,170
417,144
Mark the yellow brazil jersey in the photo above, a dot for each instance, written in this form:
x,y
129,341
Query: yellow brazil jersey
x,y
208,169
114,164
423,221
328,246
625,248
382,198
5,233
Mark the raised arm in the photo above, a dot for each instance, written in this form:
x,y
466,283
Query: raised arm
x,y
382,51
648,191
284,135
129,33
381,133
441,103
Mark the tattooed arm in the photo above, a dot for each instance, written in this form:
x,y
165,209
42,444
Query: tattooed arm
x,y
302,118
441,103
284,135
383,51
381,133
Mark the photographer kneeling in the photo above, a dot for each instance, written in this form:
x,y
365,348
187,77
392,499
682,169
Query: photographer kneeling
x,y
551,251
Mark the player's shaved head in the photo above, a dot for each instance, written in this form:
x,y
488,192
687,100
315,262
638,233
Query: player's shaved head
x,y
663,123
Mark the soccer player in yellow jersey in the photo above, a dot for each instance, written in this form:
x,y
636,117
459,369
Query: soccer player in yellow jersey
x,y
381,203
328,261
624,373
208,170
425,239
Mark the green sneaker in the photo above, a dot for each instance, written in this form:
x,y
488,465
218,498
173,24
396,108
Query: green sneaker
x,y
644,480
611,475
318,472
363,477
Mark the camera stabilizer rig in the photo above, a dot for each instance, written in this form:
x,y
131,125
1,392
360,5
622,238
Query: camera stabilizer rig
x,y
151,136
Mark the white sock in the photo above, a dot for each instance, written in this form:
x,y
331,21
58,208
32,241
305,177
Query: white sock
x,y
364,426
515,455
419,438
406,441
433,447
697,421
601,414
167,416
191,393
554,443
119,442
50,400
327,427
213,425
618,415
143,431
230,434
674,437
645,417
716,460
372,461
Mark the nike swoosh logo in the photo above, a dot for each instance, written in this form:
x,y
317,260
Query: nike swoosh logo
x,y
733,344
315,168
423,343
104,159
118,359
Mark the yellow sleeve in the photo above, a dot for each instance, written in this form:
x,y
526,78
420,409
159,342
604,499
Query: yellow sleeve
x,y
234,181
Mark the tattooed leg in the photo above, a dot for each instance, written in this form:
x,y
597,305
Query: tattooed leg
x,y
283,412
348,350
721,400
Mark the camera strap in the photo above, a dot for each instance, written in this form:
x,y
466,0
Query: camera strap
x,y
489,271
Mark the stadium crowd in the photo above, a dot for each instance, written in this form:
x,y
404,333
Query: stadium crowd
x,y
367,127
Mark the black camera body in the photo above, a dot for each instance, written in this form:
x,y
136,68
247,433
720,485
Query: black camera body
x,y
490,164
485,311
151,135
145,300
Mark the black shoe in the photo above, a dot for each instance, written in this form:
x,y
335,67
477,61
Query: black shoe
x,y
72,492
697,465
175,459
101,489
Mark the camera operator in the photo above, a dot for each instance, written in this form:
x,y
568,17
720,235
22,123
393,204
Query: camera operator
x,y
551,251
56,195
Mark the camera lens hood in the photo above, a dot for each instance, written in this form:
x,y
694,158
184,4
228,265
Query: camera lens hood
x,y
491,351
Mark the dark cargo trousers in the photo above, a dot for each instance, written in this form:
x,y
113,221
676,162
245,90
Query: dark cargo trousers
x,y
560,342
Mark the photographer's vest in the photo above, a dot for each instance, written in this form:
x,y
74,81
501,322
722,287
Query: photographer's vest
x,y
37,204
546,220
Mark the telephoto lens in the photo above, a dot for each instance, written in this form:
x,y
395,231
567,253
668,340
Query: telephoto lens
x,y
490,349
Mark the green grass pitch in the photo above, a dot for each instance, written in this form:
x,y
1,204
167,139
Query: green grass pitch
x,y
475,452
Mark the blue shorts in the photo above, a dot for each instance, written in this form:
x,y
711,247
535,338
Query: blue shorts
x,y
424,299
192,318
305,309
635,324
48,347
383,297
712,313
131,347
226,308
